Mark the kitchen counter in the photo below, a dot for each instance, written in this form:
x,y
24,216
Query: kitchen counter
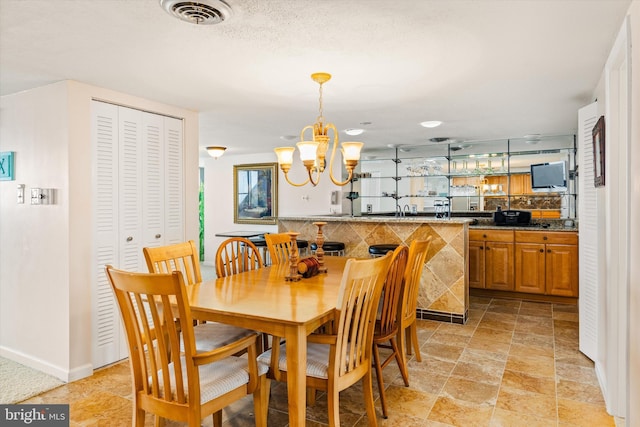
x,y
536,225
444,287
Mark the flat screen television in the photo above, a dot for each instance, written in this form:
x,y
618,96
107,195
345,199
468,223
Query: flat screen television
x,y
551,176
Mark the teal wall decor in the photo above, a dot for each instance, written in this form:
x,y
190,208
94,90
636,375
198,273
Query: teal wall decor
x,y
7,171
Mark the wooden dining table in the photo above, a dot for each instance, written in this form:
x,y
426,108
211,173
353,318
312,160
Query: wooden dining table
x,y
264,301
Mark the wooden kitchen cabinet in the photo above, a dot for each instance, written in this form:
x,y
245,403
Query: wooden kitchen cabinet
x,y
546,263
520,183
491,259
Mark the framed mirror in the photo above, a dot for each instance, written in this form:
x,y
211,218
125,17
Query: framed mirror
x,y
255,193
598,153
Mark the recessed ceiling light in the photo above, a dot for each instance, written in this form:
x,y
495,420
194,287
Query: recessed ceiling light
x,y
353,131
288,137
431,123
439,139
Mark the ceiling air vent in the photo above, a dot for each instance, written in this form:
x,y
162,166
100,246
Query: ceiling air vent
x,y
203,12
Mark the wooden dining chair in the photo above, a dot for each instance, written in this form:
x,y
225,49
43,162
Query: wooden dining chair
x,y
236,255
194,385
338,360
183,257
386,328
279,245
407,330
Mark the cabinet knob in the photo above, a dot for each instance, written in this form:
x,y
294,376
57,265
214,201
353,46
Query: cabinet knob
x,y
544,238
548,251
129,239
488,248
158,236
542,250
484,236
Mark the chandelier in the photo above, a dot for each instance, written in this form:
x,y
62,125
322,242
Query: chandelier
x,y
313,153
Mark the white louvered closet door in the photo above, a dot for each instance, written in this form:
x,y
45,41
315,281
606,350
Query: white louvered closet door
x,y
139,201
108,343
174,181
153,180
588,243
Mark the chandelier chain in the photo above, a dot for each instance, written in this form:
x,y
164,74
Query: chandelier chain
x,y
320,109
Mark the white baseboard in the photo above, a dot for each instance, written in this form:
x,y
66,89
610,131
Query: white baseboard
x,y
46,367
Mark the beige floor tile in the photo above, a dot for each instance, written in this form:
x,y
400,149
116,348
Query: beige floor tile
x,y
583,414
539,405
500,369
471,391
524,381
538,365
458,413
504,418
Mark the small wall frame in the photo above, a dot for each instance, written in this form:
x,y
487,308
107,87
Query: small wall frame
x,y
7,166
598,134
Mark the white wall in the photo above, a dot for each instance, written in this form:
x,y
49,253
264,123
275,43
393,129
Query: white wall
x,y
292,201
633,418
45,260
34,260
618,363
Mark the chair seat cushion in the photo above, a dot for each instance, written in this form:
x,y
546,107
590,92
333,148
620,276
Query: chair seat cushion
x,y
212,335
317,359
216,378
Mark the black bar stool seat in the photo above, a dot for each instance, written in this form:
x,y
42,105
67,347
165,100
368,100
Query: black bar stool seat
x,y
330,248
382,249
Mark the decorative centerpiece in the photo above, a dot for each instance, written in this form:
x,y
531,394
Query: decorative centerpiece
x,y
293,274
319,250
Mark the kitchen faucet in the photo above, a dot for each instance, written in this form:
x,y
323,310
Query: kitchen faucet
x,y
399,211
405,210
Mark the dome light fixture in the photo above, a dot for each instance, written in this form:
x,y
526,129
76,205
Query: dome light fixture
x,y
313,153
216,151
353,131
431,123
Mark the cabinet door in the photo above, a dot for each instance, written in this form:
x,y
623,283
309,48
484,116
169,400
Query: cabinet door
x,y
499,266
530,268
562,270
476,264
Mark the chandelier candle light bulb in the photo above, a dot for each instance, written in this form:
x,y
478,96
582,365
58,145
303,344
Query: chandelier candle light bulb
x,y
313,153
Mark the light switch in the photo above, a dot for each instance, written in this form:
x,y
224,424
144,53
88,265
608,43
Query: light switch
x,y
20,193
42,196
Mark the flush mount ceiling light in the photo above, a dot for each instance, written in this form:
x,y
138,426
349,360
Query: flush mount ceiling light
x,y
313,153
353,131
216,151
201,12
431,123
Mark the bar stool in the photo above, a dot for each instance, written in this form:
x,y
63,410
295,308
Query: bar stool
x,y
382,249
303,247
330,248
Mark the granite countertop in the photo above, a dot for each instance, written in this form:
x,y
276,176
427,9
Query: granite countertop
x,y
473,222
536,225
380,218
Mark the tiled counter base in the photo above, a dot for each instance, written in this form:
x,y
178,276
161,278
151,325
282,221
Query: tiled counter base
x,y
444,287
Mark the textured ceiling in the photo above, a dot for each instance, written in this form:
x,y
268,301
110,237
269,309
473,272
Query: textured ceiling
x,y
488,69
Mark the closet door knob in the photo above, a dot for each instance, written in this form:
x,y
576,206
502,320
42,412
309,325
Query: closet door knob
x,y
158,236
129,239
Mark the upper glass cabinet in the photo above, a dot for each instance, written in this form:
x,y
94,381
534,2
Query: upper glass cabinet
x,y
471,176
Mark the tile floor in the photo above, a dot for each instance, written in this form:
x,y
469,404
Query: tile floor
x,y
515,363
